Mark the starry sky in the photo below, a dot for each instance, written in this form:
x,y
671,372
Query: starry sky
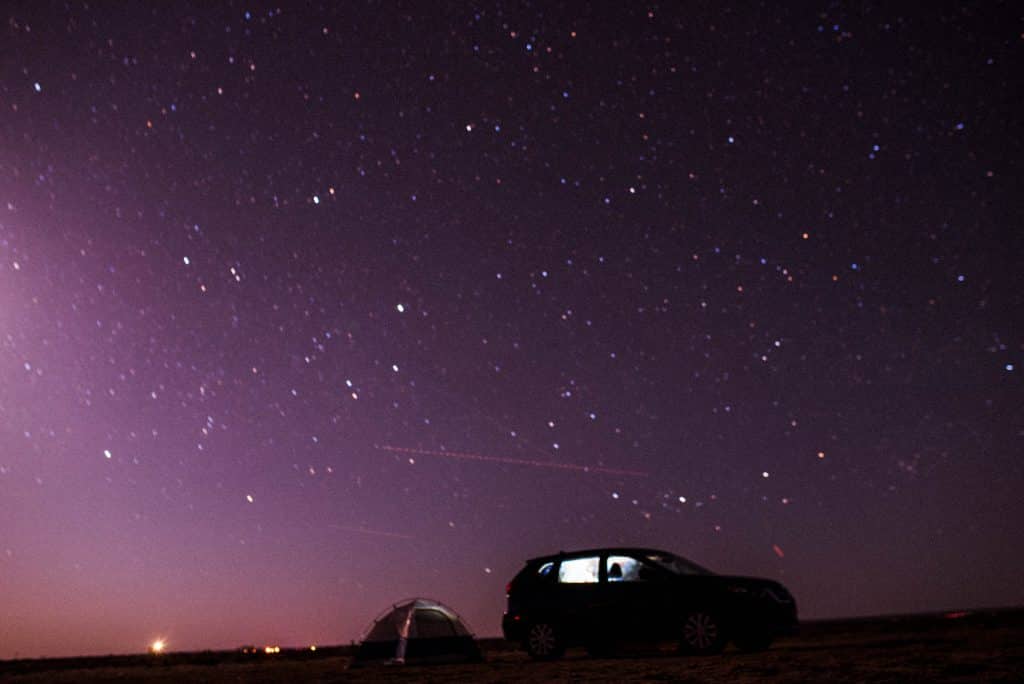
x,y
308,308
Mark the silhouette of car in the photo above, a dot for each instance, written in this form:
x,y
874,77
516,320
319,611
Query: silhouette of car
x,y
601,597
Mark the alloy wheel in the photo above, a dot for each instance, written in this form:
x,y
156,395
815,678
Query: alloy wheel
x,y
542,640
700,632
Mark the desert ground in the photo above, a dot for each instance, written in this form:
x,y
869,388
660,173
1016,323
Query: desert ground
x,y
971,646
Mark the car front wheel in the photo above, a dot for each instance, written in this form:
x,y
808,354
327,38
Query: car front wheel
x,y
543,641
702,633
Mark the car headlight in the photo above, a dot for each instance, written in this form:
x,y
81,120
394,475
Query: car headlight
x,y
777,594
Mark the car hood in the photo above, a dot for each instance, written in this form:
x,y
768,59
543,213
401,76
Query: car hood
x,y
757,585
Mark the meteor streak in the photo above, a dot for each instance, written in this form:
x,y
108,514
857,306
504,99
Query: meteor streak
x,y
364,530
514,461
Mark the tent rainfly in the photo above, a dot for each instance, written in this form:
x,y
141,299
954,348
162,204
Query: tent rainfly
x,y
417,630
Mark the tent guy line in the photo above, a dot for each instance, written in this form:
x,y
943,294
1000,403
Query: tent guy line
x,y
467,456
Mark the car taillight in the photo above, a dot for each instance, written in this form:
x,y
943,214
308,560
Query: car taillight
x,y
508,588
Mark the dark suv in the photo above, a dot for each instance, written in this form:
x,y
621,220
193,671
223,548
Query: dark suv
x,y
600,597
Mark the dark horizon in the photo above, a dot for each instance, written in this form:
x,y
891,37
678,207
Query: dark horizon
x,y
306,310
492,640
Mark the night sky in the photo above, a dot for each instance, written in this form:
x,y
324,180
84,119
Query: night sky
x,y
306,309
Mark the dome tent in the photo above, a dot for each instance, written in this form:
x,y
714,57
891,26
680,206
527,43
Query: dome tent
x,y
417,630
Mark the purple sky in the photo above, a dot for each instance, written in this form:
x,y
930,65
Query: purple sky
x,y
304,311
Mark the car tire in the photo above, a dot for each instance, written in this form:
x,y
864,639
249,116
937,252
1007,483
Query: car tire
x,y
754,642
702,633
544,641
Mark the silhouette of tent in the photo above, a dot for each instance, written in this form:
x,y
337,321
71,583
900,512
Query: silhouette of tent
x,y
417,630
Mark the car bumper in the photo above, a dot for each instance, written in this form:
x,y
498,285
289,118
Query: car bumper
x,y
782,619
765,616
512,627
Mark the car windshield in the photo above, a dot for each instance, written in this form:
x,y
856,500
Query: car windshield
x,y
677,565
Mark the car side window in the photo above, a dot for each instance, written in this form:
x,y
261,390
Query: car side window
x,y
624,569
545,571
579,570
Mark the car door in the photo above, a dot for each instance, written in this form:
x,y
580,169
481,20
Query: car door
x,y
635,598
577,588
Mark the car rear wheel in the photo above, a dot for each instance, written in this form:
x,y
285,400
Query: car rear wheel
x,y
702,633
543,642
